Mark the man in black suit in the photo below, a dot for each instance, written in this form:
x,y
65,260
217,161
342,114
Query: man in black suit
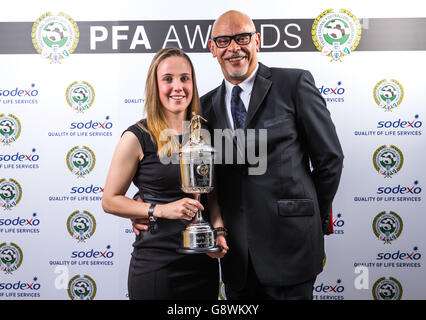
x,y
277,211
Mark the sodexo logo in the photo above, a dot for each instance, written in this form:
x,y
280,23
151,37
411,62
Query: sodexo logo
x,y
10,193
387,289
400,255
81,225
92,253
92,125
400,123
10,257
10,128
80,96
388,160
334,93
338,224
20,286
20,222
81,288
336,34
19,160
80,161
55,36
387,226
388,94
19,92
330,288
399,189
89,190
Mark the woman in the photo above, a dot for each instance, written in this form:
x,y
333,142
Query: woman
x,y
156,270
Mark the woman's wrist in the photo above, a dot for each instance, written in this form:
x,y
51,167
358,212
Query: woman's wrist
x,y
221,231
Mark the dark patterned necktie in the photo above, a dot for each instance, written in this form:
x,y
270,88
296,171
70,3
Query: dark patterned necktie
x,y
239,113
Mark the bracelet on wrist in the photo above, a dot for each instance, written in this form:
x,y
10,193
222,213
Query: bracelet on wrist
x,y
221,231
151,218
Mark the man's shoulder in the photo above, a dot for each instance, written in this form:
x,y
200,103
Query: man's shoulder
x,y
207,100
208,96
290,72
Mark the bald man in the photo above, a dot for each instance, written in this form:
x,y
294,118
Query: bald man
x,y
277,214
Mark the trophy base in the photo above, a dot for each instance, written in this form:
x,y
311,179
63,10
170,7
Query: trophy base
x,y
199,250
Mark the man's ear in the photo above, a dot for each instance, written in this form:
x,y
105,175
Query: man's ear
x,y
257,39
212,48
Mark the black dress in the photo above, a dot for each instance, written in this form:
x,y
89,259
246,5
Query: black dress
x,y
157,271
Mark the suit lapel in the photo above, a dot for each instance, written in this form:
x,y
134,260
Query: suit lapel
x,y
260,89
219,107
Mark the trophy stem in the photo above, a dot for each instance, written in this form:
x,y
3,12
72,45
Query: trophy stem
x,y
199,217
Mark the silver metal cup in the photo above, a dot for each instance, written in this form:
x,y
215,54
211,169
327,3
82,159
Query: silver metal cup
x,y
197,176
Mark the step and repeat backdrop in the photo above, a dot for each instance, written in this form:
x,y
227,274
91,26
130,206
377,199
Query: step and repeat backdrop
x,y
72,79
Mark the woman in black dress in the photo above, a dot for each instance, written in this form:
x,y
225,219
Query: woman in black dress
x,y
157,270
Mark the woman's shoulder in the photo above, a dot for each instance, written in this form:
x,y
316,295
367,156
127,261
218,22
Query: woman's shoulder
x,y
139,128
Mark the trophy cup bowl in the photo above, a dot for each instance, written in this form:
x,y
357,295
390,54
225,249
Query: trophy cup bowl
x,y
196,160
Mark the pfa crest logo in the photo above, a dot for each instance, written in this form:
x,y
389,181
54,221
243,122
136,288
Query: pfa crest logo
x,y
81,225
336,34
387,289
388,160
10,257
388,94
80,96
55,36
81,288
10,129
387,226
10,193
80,161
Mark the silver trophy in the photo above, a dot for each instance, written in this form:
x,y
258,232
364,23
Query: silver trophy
x,y
197,176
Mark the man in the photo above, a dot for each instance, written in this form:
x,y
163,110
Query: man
x,y
276,220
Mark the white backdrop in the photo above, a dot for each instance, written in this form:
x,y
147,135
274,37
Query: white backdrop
x,y
50,257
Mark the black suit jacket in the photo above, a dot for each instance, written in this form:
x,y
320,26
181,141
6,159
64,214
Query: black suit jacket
x,y
280,216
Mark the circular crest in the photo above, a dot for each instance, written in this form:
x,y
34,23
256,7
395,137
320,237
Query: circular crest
x,y
387,289
336,34
10,129
81,225
55,36
10,257
387,226
80,96
81,161
388,160
82,288
10,193
388,94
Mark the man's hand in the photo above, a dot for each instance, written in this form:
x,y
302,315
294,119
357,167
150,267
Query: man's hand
x,y
140,224
220,241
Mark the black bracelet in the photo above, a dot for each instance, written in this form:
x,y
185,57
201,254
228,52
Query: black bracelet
x,y
151,218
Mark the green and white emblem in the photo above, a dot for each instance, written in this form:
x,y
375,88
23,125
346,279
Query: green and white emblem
x,y
10,257
10,193
81,225
388,160
388,94
81,161
10,129
387,289
55,36
81,288
387,226
80,96
336,34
